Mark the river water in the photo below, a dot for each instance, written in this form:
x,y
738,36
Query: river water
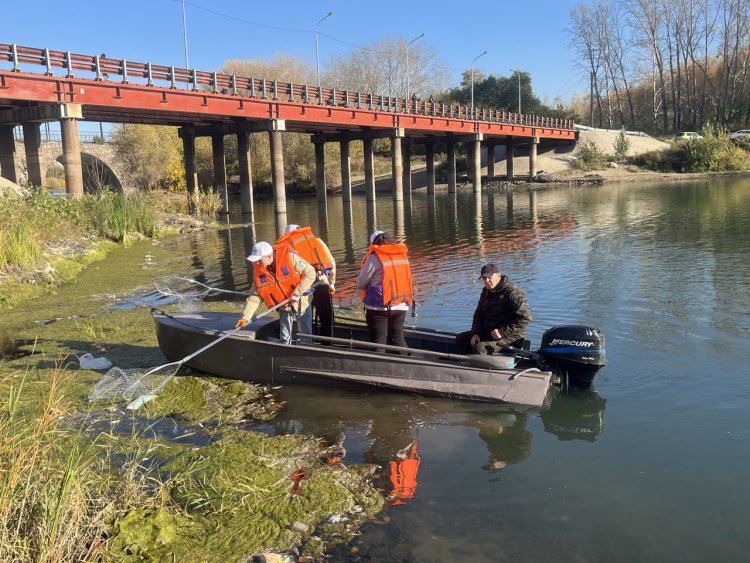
x,y
650,464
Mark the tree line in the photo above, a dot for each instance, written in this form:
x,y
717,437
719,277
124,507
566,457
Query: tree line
x,y
663,65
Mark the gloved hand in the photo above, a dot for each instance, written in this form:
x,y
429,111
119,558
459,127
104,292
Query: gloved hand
x,y
242,323
331,289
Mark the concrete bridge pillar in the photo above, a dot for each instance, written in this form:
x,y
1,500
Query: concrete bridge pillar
x,y
346,171
369,170
246,173
397,164
510,153
320,167
277,165
8,154
476,163
532,158
220,170
72,155
191,175
490,160
406,151
429,152
32,142
451,145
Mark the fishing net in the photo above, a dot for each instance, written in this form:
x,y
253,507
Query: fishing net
x,y
186,292
131,383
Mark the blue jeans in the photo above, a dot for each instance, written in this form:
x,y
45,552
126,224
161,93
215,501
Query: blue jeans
x,y
286,322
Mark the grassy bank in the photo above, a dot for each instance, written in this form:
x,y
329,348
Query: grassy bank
x,y
176,480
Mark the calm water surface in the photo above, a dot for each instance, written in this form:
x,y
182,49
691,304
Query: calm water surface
x,y
649,465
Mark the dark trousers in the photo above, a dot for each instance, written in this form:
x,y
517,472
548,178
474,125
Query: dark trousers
x,y
322,311
386,327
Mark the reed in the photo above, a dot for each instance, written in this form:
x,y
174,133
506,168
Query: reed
x,y
205,203
58,497
28,222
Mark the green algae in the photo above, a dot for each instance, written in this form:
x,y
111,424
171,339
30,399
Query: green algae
x,y
211,399
224,501
243,499
147,534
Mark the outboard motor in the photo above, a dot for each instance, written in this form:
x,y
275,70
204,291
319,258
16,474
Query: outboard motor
x,y
575,351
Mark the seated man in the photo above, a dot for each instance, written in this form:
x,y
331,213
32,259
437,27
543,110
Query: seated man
x,y
500,318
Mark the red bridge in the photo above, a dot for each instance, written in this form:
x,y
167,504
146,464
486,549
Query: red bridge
x,y
215,105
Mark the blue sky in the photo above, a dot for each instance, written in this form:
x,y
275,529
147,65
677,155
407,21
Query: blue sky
x,y
515,34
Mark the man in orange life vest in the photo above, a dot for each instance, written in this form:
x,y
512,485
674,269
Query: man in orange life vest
x,y
278,273
316,253
385,285
403,474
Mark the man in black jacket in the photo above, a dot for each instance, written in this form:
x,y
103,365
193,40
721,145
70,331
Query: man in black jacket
x,y
500,318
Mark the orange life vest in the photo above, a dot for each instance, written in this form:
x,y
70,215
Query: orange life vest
x,y
309,247
397,283
274,287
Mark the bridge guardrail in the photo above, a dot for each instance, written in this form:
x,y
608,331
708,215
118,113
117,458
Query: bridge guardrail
x,y
103,68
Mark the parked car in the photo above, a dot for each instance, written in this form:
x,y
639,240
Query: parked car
x,y
741,133
685,135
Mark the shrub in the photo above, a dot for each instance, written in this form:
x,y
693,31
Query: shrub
x,y
622,145
591,157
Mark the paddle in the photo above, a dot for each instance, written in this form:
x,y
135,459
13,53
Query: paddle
x,y
168,371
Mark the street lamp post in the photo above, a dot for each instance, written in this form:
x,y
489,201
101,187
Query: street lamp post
x,y
184,34
518,72
407,63
317,54
472,79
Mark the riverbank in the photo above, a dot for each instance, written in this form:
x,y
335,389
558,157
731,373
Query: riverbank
x,y
189,476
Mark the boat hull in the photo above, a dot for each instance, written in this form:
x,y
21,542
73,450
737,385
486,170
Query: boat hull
x,y
249,356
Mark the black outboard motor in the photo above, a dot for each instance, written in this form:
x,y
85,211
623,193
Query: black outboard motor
x,y
575,351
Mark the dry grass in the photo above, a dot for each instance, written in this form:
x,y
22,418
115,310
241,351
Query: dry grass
x,y
58,498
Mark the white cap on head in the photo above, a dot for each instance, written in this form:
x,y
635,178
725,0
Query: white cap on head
x,y
290,228
259,250
374,235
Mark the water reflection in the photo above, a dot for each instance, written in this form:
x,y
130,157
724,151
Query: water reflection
x,y
372,215
402,473
577,414
399,228
322,230
348,232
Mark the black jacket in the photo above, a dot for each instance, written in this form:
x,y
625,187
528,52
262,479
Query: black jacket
x,y
504,308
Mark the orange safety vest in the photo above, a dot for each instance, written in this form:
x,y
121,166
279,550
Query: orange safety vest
x,y
275,287
397,282
309,247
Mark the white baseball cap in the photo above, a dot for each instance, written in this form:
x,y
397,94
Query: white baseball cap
x,y
374,235
259,250
290,228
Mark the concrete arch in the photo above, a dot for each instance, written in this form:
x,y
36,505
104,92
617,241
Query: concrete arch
x,y
97,175
99,163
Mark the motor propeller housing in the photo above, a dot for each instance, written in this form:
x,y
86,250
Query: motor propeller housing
x,y
574,350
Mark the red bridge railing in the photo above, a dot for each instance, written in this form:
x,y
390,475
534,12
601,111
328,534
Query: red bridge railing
x,y
103,68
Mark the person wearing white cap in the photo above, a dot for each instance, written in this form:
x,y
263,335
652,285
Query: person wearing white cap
x,y
317,254
278,274
386,288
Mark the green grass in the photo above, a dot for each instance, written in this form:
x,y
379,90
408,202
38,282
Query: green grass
x,y
29,222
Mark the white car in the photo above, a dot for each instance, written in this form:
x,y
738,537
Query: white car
x,y
740,133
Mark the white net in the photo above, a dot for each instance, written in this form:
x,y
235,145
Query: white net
x,y
131,383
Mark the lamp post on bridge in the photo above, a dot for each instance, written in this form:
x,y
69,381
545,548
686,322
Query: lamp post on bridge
x,y
184,34
472,79
407,63
519,88
317,53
